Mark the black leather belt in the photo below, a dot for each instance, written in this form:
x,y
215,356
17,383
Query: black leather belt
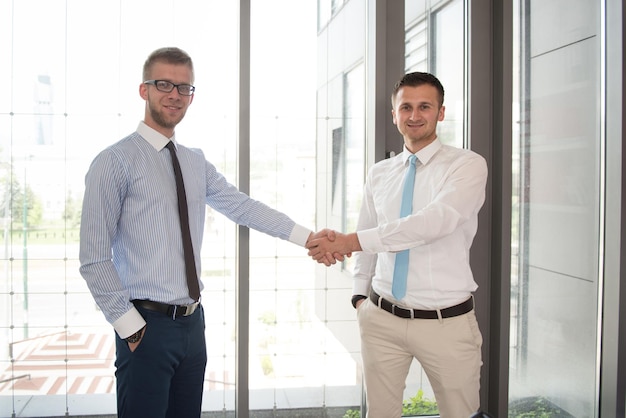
x,y
170,310
460,309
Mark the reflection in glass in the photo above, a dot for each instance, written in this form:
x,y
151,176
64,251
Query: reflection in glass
x,y
435,42
556,203
348,155
447,62
354,122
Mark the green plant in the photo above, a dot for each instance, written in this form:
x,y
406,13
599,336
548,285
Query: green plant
x,y
534,408
352,413
417,405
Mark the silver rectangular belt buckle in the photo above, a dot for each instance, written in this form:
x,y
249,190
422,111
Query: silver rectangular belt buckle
x,y
188,309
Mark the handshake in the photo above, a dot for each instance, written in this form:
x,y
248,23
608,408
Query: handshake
x,y
328,246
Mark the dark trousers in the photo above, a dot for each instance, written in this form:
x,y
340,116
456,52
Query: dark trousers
x,y
164,376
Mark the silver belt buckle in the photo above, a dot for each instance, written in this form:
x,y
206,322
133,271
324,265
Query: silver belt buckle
x,y
189,309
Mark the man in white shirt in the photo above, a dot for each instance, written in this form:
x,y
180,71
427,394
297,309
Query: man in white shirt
x,y
431,316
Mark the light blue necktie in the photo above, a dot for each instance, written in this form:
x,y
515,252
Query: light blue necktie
x,y
401,268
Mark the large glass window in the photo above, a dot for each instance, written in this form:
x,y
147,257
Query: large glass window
x,y
73,70
340,169
557,195
295,360
435,39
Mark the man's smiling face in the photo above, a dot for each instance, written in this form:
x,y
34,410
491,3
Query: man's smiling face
x,y
165,110
416,113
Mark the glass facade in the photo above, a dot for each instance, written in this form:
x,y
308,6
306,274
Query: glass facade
x,y
557,202
435,43
295,362
72,70
75,68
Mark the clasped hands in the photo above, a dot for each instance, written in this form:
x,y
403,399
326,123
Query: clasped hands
x,y
328,246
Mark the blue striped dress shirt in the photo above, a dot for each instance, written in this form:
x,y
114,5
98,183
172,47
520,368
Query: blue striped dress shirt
x,y
130,239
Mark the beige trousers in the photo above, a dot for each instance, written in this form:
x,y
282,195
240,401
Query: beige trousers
x,y
448,350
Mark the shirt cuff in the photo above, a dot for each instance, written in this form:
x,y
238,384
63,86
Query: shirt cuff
x,y
299,235
370,241
129,323
361,287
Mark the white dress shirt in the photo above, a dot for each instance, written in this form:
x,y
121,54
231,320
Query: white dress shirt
x,y
449,192
130,239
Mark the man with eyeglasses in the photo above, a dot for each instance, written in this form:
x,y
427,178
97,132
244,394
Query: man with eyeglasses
x,y
142,219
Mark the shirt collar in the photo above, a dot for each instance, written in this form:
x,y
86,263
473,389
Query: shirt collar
x,y
425,154
154,138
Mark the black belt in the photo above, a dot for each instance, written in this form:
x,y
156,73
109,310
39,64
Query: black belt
x,y
460,309
170,310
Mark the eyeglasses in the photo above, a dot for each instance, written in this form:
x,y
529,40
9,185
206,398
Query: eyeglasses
x,y
167,86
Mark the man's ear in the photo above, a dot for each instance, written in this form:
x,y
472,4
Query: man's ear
x,y
393,115
442,113
143,91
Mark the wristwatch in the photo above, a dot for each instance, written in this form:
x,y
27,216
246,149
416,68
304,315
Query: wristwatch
x,y
133,338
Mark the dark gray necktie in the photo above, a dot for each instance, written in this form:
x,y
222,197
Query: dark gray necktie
x,y
183,214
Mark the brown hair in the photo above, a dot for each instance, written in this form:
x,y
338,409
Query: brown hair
x,y
169,55
417,79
